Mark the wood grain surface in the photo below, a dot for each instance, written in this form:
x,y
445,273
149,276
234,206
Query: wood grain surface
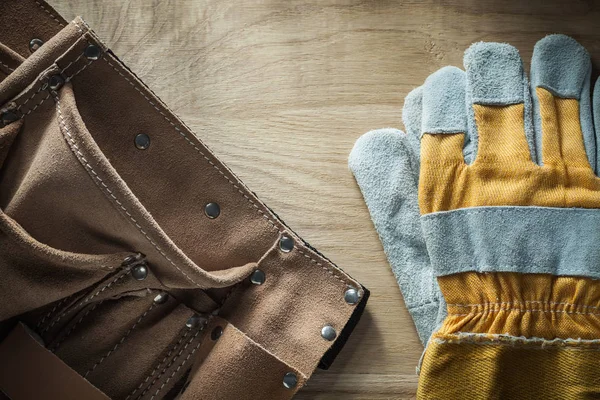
x,y
281,89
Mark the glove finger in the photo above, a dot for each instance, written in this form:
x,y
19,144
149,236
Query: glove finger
x,y
560,85
411,117
443,102
384,165
443,127
498,103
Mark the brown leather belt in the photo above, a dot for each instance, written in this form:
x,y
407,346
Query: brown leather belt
x,y
147,268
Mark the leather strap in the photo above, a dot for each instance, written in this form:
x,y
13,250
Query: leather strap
x,y
23,20
29,371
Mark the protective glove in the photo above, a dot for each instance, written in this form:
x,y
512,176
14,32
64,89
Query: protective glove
x,y
508,197
385,163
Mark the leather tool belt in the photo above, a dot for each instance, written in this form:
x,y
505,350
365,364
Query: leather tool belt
x,y
134,264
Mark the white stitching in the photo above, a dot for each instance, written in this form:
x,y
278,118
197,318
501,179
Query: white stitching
x,y
82,159
111,351
457,213
171,362
506,339
41,321
7,67
48,95
72,328
177,370
36,106
322,266
328,269
472,335
48,12
494,310
484,269
88,299
521,302
155,369
58,304
81,69
32,96
72,62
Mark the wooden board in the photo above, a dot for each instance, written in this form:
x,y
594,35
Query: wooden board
x,y
281,89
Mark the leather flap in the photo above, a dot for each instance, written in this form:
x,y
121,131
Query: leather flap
x,y
230,365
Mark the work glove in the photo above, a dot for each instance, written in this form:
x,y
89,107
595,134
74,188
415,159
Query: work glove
x,y
508,194
385,163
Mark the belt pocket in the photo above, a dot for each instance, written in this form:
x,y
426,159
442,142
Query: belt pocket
x,y
230,365
35,275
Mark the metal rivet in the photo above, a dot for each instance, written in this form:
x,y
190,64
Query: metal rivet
x,y
56,82
286,244
194,321
139,272
161,298
351,296
142,141
216,333
92,52
35,44
328,333
290,380
212,210
7,117
258,277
